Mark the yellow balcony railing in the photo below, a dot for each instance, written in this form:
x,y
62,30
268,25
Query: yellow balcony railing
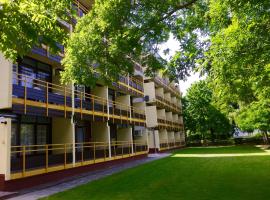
x,y
167,104
32,160
30,93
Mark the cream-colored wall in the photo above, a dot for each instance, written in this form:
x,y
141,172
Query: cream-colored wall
x,y
180,119
160,92
124,134
161,114
5,83
177,136
171,137
151,116
149,90
139,106
100,91
163,136
62,133
61,130
5,146
100,132
167,96
169,116
173,100
153,139
182,136
124,102
175,117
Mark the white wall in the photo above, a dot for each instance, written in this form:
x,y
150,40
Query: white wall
x,y
151,116
153,139
149,90
5,83
5,147
161,114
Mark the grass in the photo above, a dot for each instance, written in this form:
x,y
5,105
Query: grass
x,y
243,177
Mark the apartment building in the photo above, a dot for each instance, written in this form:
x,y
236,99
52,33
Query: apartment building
x,y
47,128
163,114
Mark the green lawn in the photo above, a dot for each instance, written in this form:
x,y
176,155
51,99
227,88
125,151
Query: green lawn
x,y
245,176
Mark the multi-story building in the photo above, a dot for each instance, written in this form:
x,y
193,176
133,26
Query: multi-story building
x,y
48,128
163,114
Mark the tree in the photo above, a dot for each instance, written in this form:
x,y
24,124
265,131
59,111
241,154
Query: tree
x,y
201,116
255,116
28,23
229,40
115,35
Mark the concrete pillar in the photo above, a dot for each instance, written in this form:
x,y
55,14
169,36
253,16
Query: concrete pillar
x,y
5,83
125,134
101,133
62,132
5,147
153,139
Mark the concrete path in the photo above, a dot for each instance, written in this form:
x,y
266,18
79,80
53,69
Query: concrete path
x,y
84,178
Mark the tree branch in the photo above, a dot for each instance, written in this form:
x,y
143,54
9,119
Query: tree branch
x,y
178,7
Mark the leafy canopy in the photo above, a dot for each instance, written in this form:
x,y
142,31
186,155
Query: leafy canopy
x,y
28,23
118,34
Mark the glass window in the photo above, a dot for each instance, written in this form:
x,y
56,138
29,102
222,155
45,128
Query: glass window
x,y
27,134
14,133
42,131
30,75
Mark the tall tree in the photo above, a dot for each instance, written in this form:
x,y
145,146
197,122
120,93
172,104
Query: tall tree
x,y
201,116
26,23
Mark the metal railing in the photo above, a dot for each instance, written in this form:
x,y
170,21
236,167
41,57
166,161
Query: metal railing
x,y
165,84
168,105
29,160
33,92
166,144
167,124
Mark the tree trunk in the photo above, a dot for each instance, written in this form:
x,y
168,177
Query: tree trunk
x,y
265,137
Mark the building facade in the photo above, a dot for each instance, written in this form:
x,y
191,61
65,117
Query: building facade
x,y
163,114
46,127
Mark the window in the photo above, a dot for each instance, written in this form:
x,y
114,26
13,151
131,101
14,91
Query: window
x,y
42,132
14,133
30,130
27,136
34,69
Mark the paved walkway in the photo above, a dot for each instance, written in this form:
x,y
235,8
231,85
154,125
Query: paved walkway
x,y
84,178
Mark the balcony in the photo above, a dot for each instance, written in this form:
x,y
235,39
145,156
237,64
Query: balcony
x,y
166,144
130,86
169,125
166,85
44,51
39,159
36,97
162,102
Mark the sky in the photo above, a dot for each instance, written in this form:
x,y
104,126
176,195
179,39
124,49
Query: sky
x,y
173,45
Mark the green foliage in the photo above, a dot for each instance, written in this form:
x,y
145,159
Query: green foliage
x,y
26,23
229,40
115,35
201,117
